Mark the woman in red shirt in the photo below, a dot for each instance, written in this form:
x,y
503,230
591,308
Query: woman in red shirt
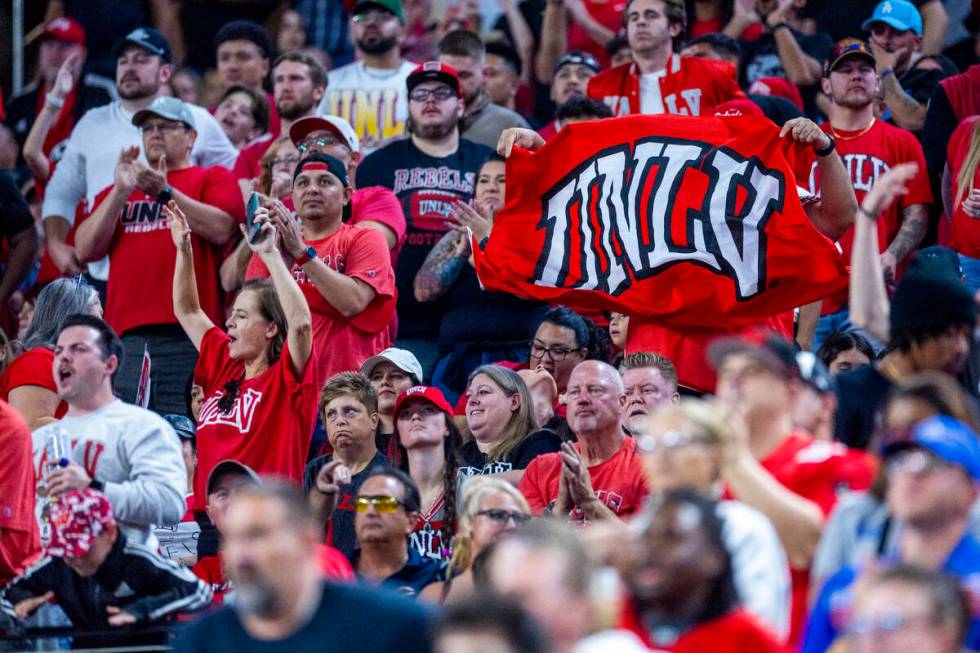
x,y
259,384
27,383
963,155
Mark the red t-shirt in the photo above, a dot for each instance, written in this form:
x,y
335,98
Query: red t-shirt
x,y
867,156
607,13
247,165
142,255
270,426
689,86
209,570
618,482
33,367
20,544
966,230
343,343
550,130
381,205
819,471
736,632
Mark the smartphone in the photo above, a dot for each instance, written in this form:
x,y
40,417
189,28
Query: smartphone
x,y
252,229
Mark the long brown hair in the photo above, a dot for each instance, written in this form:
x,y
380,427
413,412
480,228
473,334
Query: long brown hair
x,y
964,178
271,310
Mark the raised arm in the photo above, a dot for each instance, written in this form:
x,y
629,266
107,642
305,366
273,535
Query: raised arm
x,y
94,236
298,316
554,40
834,214
868,299
54,100
522,36
187,307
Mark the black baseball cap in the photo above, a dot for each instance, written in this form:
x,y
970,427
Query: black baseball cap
x,y
845,48
147,38
578,57
321,161
183,426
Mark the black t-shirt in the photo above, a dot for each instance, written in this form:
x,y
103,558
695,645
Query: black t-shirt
x,y
340,529
761,58
476,315
536,443
349,618
842,19
777,109
426,187
15,215
860,395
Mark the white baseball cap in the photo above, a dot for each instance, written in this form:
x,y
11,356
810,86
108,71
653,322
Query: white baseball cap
x,y
333,124
400,358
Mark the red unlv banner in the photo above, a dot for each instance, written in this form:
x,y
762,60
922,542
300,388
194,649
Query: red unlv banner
x,y
693,221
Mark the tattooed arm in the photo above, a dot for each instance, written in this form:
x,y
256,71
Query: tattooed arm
x,y
915,221
442,266
907,112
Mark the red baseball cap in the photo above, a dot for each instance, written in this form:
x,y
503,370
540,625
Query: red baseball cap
x,y
433,395
738,108
77,517
64,29
434,71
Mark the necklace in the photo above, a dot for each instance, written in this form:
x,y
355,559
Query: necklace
x,y
853,136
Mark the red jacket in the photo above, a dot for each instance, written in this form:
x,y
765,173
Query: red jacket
x,y
688,86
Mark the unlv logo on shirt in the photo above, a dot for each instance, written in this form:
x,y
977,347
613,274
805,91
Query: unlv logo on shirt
x,y
141,216
241,413
622,203
862,169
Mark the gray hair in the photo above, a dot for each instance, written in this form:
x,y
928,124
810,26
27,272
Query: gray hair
x,y
58,300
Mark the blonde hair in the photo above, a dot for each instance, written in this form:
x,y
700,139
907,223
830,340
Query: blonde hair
x,y
702,416
521,421
474,489
964,178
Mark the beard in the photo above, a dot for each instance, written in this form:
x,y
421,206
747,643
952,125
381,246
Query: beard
x,y
297,108
255,596
141,91
433,131
378,44
853,100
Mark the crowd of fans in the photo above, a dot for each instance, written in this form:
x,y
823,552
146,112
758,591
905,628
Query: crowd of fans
x,y
254,395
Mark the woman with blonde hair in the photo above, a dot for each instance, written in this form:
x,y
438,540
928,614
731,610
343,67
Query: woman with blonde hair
x,y
961,197
500,416
489,506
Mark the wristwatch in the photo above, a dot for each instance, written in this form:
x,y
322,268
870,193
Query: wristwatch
x,y
165,195
98,486
308,255
827,150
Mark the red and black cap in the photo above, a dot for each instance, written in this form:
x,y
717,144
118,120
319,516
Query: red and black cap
x,y
434,71
845,48
321,161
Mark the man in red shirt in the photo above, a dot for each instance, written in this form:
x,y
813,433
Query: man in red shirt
x,y
375,206
659,80
783,473
298,85
129,225
20,544
344,270
869,147
600,476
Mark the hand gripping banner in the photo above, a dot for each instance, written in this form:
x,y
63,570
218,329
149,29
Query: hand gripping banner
x,y
693,221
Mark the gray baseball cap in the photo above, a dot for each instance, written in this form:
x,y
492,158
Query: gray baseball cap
x,y
167,107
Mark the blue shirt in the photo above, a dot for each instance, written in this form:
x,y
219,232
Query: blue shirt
x,y
833,606
419,571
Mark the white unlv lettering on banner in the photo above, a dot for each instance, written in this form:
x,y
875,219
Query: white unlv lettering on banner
x,y
728,243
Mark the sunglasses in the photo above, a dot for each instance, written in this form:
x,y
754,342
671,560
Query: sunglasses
x,y
381,503
503,516
915,461
319,141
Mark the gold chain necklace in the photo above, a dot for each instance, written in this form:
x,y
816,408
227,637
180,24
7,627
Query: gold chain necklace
x,y
848,138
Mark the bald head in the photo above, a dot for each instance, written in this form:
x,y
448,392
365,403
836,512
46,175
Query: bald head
x,y
595,390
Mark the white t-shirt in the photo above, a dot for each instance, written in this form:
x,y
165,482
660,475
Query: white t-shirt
x,y
651,99
373,100
89,160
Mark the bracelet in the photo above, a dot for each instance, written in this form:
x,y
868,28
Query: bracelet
x,y
866,213
827,150
54,102
780,26
885,73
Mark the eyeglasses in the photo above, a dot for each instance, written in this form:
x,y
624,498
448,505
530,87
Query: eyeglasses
x,y
556,354
162,127
375,16
439,94
381,503
915,461
885,624
319,141
504,516
670,441
290,161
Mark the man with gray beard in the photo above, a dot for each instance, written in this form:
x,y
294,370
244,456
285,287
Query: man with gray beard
x,y
430,172
281,600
